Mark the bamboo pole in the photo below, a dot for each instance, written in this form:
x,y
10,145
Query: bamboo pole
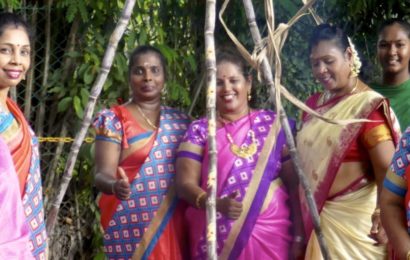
x,y
210,64
268,78
88,112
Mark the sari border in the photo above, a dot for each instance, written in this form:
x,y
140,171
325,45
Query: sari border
x,y
157,226
252,190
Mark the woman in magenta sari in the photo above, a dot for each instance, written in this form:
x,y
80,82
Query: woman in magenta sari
x,y
253,216
135,156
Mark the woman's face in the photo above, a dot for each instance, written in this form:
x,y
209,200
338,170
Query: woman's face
x,y
232,89
14,56
393,49
147,77
330,65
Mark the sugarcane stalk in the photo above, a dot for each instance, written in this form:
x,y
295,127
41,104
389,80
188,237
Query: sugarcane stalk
x,y
88,112
268,78
210,64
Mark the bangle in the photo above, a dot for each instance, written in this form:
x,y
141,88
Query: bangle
x,y
408,255
298,239
112,187
198,199
376,212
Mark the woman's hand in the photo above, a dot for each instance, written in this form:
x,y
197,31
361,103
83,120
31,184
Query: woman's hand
x,y
377,232
121,187
229,207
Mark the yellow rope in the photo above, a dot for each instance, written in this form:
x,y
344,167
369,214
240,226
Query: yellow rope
x,y
62,140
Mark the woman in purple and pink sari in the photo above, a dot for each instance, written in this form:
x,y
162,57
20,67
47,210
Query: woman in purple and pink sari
x,y
253,215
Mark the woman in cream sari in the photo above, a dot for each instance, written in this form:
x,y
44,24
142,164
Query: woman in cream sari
x,y
344,164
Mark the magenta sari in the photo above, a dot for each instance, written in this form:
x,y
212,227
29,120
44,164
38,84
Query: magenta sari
x,y
264,232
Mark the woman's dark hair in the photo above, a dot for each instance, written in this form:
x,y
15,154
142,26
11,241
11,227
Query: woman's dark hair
x,y
227,54
144,49
327,32
8,20
403,24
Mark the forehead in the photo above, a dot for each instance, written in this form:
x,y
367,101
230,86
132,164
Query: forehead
x,y
15,35
325,48
227,69
147,59
393,32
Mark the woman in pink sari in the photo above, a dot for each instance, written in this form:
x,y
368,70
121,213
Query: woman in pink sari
x,y
253,216
14,232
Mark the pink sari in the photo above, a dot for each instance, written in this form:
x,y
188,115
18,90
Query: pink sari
x,y
262,230
14,232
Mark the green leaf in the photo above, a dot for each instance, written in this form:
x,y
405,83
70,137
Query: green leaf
x,y
88,76
84,96
77,107
64,104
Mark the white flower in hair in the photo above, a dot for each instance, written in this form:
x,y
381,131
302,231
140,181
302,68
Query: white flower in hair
x,y
357,64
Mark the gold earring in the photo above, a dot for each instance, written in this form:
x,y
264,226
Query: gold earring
x,y
353,71
249,95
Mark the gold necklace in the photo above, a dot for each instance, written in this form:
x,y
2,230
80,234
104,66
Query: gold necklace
x,y
146,118
243,151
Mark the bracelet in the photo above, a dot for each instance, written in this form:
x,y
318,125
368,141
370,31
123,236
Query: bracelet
x,y
112,187
376,212
298,239
408,255
198,199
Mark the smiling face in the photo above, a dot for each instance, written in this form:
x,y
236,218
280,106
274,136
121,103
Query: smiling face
x,y
331,66
14,56
232,89
393,50
147,77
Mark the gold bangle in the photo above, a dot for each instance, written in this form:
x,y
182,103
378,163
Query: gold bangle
x,y
408,255
198,199
376,212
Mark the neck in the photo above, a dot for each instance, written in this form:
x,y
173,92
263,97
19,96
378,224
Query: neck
x,y
3,96
152,105
233,116
350,88
395,79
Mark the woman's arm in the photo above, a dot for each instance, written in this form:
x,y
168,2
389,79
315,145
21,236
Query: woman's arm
x,y
380,156
187,184
394,221
107,156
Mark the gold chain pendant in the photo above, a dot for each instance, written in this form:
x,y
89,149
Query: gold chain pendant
x,y
245,151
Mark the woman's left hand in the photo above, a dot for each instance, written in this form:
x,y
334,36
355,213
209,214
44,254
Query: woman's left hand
x,y
377,232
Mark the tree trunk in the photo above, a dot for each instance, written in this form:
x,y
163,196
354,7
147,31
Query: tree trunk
x,y
30,77
95,92
210,63
39,126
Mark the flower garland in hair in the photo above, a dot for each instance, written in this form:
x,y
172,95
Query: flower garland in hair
x,y
357,64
